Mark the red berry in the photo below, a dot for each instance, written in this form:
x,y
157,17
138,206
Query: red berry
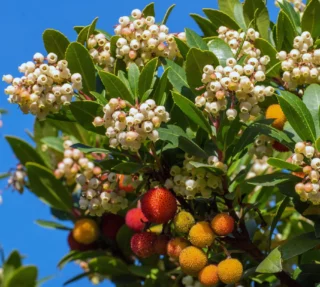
x,y
160,245
135,219
122,186
142,244
159,205
111,224
280,147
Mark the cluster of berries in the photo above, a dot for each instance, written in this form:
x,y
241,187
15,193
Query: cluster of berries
x,y
130,126
141,39
301,65
189,181
298,5
17,179
105,192
47,85
100,50
74,162
306,156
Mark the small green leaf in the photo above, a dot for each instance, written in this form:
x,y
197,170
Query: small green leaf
x,y
221,50
24,276
133,77
159,95
87,31
183,47
52,225
193,113
115,87
77,277
149,10
311,98
79,255
272,263
219,18
292,14
310,19
239,16
80,61
273,179
55,42
123,240
107,265
285,32
263,22
317,145
208,167
54,143
298,115
128,168
49,189
88,149
146,95
147,76
227,6
166,16
279,163
4,175
100,97
207,28
195,41
113,45
23,151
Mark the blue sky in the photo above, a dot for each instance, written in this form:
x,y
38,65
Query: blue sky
x,y
22,24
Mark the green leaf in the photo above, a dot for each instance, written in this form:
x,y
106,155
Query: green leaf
x,y
85,113
24,276
239,16
79,255
4,175
52,225
227,6
263,22
88,149
101,98
194,40
208,167
273,179
221,49
23,151
115,87
285,32
298,245
250,8
13,260
178,138
147,75
317,229
205,25
133,77
219,18
178,78
196,60
311,98
193,113
317,145
123,240
183,47
54,143
50,190
279,163
310,19
298,115
149,10
113,45
80,61
146,95
107,265
55,42
166,16
87,31
272,263
292,14
128,168
77,277
159,95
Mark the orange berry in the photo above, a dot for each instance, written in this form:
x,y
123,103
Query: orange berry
x,y
192,260
222,224
275,112
201,235
175,246
142,244
85,231
208,276
122,186
230,271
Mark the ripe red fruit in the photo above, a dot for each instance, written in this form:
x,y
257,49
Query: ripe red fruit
x,y
160,245
135,219
111,224
122,186
142,244
280,147
75,245
159,205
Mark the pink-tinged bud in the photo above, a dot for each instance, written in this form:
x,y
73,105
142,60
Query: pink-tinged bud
x,y
220,95
98,122
58,174
132,54
125,31
104,177
106,186
161,47
308,188
122,104
299,187
97,170
307,169
122,117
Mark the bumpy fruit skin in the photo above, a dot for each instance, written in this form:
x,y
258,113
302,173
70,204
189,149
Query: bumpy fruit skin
x,y
222,224
74,245
175,246
160,245
192,260
183,222
279,147
111,223
135,219
159,205
275,112
208,276
122,186
85,231
230,271
142,244
201,234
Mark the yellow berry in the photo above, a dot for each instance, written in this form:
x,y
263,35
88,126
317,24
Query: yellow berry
x,y
230,271
183,222
85,231
201,235
275,112
192,260
208,276
222,224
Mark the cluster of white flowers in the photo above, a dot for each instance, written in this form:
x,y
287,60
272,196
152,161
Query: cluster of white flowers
x,y
262,147
73,163
17,179
100,51
259,167
189,181
309,188
301,65
141,39
102,193
236,83
189,281
47,84
298,5
129,127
